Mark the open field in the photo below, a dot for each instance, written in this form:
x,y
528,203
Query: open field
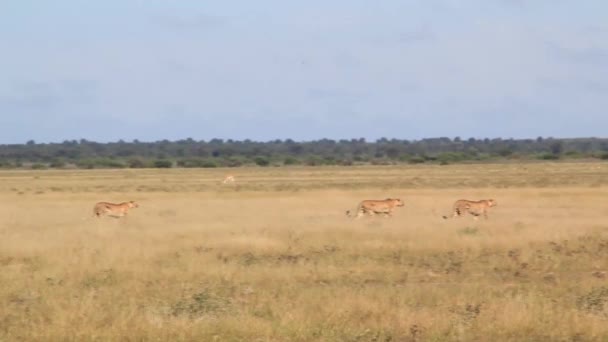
x,y
273,257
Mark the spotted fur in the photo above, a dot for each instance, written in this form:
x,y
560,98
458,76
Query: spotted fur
x,y
373,207
474,208
112,209
229,179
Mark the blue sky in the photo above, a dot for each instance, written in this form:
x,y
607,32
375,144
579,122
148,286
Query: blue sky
x,y
275,69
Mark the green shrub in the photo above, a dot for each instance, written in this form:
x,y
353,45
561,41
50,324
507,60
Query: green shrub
x,y
57,163
448,157
483,156
261,161
314,161
329,160
114,164
573,154
405,157
290,161
136,163
235,161
380,161
209,164
162,164
603,156
548,156
86,164
100,163
416,160
38,166
193,162
505,152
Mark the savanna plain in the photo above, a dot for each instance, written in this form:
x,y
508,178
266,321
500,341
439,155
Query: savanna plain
x,y
273,257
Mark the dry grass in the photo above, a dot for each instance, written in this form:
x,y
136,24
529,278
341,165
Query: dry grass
x,y
273,258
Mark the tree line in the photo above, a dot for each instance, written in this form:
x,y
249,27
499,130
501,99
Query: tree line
x,y
230,153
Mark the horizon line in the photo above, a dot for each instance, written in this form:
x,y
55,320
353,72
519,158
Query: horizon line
x,y
229,140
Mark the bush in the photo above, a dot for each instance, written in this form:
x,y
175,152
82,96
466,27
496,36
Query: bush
x,y
235,161
548,156
209,164
190,162
405,157
380,161
261,161
314,161
162,164
86,164
429,158
136,163
573,154
100,163
448,157
505,152
360,158
114,164
38,166
57,163
290,161
482,156
329,160
603,156
416,160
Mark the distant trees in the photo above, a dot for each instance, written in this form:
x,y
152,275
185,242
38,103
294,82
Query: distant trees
x,y
556,147
230,153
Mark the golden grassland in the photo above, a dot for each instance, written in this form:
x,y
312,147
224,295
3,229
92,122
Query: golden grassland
x,y
273,257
